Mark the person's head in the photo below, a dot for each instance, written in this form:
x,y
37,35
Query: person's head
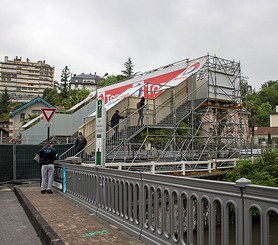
x,y
50,144
80,133
117,111
143,98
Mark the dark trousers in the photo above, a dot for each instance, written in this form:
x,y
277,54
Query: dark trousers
x,y
81,153
141,116
116,134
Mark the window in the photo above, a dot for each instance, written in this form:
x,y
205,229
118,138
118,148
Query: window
x,y
261,141
22,117
36,112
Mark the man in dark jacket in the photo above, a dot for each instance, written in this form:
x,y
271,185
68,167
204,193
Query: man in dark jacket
x,y
80,144
140,107
115,124
48,156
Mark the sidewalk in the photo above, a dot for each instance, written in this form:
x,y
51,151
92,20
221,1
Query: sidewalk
x,y
57,220
15,227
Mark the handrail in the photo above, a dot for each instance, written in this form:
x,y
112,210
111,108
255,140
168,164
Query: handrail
x,y
61,157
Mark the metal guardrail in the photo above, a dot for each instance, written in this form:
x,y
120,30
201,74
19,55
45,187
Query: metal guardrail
x,y
176,167
161,209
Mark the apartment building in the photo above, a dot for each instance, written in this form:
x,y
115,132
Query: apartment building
x,y
25,79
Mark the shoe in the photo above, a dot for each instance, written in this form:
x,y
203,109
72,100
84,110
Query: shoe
x,y
42,191
49,191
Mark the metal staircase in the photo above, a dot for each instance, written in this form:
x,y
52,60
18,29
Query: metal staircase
x,y
193,121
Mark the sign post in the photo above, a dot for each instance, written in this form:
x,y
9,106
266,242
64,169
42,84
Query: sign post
x,y
100,133
48,113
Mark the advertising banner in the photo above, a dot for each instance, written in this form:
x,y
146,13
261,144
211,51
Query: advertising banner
x,y
192,68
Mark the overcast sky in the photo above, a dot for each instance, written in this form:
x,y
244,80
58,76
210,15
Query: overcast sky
x,y
99,35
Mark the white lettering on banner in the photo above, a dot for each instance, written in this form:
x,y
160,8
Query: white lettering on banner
x,y
111,97
153,88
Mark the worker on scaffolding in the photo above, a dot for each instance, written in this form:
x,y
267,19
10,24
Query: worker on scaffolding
x,y
140,107
115,124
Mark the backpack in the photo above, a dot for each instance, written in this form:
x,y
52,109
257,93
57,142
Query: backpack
x,y
138,105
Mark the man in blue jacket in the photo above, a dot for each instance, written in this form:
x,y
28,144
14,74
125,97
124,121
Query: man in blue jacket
x,y
48,156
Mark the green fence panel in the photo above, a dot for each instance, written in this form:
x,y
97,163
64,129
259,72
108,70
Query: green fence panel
x,y
26,168
6,163
22,156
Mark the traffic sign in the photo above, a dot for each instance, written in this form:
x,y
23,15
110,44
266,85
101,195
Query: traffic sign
x,y
48,125
48,113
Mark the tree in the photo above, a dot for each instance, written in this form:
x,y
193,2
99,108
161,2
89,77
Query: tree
x,y
263,171
269,94
51,96
262,116
128,72
110,80
269,83
75,96
64,83
5,101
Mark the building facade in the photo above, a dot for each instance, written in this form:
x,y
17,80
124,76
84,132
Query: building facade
x,y
20,115
85,81
25,80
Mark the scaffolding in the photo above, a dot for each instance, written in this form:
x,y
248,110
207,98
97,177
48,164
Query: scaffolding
x,y
201,118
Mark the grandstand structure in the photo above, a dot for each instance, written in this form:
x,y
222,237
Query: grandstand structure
x,y
193,112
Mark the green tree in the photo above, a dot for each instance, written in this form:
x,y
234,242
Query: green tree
x,y
112,79
75,96
128,72
262,116
261,172
51,96
64,83
269,94
5,101
269,83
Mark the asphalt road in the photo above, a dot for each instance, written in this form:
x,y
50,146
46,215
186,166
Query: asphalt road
x,y
15,227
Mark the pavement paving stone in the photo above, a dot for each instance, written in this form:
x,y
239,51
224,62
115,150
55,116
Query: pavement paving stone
x,y
73,224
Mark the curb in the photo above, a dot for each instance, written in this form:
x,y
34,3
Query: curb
x,y
47,235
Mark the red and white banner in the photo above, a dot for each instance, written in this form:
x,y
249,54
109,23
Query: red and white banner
x,y
150,90
129,92
154,86
193,67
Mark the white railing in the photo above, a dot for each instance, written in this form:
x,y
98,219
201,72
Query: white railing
x,y
172,167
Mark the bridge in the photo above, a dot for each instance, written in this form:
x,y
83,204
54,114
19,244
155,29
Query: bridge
x,y
162,209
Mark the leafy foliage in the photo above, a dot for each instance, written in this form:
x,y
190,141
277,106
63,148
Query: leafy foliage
x,y
263,112
51,96
261,103
111,80
74,97
263,171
